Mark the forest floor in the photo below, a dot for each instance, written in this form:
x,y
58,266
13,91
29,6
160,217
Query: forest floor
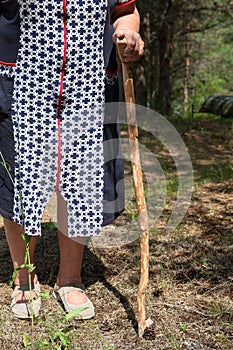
x,y
190,290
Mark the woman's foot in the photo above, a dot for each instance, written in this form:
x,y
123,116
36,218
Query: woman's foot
x,y
26,303
25,295
71,256
73,297
21,294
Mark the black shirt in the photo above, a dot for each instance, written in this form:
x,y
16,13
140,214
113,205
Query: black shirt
x,y
9,30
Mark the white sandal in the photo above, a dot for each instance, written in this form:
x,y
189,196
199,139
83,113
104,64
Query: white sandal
x,y
60,294
26,309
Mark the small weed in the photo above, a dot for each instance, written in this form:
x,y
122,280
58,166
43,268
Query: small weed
x,y
154,231
73,314
228,325
227,235
224,340
58,334
62,337
41,345
172,339
217,173
172,185
184,326
131,211
25,340
165,281
215,309
107,347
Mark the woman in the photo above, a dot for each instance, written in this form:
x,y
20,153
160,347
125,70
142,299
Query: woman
x,y
52,90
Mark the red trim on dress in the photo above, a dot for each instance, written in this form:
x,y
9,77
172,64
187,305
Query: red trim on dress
x,y
9,64
108,72
60,98
125,3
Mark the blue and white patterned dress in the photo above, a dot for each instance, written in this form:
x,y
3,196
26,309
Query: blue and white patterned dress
x,y
53,58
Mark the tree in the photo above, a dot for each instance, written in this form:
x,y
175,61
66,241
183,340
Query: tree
x,y
169,28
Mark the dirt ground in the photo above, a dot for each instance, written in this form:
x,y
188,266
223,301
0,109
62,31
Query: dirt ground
x,y
190,291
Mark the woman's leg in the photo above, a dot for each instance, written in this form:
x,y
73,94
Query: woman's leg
x,y
71,255
17,248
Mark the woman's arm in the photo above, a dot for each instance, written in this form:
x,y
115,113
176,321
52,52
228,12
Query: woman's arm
x,y
127,23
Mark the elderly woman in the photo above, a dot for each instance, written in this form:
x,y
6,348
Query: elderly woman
x,y
57,68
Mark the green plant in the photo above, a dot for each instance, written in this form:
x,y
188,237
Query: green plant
x,y
224,340
131,211
58,332
73,314
30,268
217,173
215,309
107,347
184,326
25,340
228,325
172,338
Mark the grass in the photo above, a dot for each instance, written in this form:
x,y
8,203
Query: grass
x,y
217,173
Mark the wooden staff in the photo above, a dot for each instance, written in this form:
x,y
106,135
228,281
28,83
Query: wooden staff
x,y
138,185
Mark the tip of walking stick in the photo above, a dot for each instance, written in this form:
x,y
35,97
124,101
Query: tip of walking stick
x,y
121,45
149,322
149,331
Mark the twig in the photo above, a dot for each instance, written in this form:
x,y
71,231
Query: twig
x,y
184,308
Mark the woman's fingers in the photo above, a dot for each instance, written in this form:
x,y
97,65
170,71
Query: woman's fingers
x,y
135,45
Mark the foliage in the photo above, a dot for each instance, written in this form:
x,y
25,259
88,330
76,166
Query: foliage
x,y
184,42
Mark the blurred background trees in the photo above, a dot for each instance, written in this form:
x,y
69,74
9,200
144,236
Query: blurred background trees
x,y
188,53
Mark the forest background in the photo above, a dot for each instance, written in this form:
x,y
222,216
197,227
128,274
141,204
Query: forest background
x,y
188,54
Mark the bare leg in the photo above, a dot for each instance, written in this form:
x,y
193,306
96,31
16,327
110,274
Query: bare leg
x,y
17,248
71,256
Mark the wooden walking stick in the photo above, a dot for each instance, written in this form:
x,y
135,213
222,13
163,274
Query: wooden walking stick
x,y
138,185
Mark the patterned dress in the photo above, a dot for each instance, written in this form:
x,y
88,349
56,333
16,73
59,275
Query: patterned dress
x,y
53,86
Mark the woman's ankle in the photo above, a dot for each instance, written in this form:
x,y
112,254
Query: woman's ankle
x,y
61,281
22,279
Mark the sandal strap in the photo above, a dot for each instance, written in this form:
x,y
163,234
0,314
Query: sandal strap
x,y
69,287
25,288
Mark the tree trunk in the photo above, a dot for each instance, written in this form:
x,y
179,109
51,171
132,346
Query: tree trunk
x,y
186,72
163,103
146,69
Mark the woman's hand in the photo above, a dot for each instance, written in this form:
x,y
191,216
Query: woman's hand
x,y
127,24
135,45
